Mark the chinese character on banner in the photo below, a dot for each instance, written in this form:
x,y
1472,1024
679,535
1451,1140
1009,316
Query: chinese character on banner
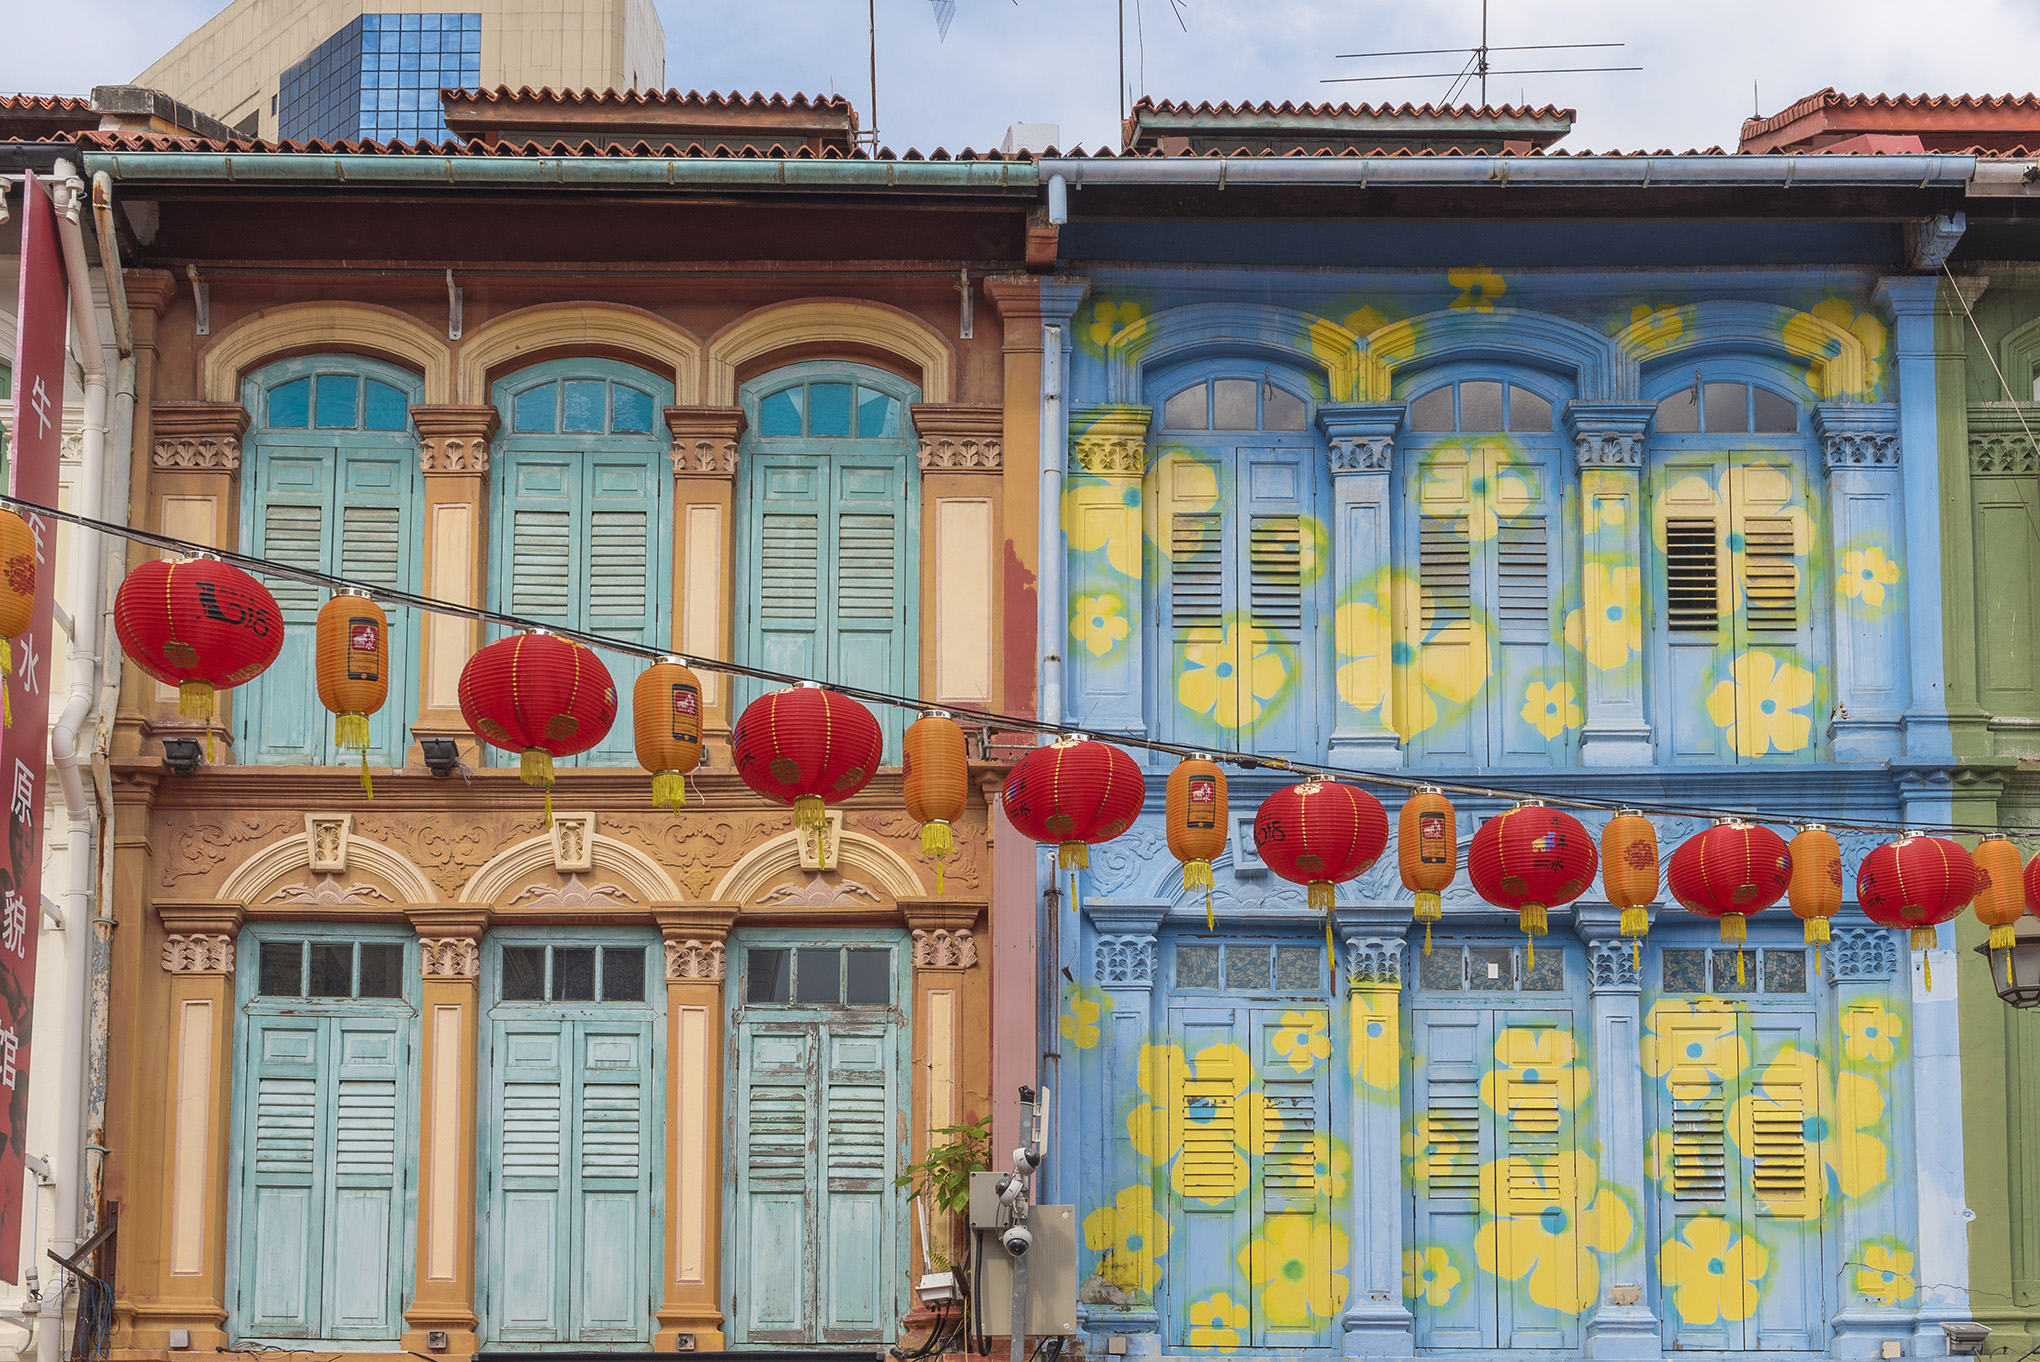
x,y
32,476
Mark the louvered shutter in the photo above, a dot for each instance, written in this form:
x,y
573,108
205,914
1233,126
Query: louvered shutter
x,y
380,523
1702,1181
1772,614
1210,1204
860,1132
1448,665
774,1165
622,596
283,1227
280,718
1785,1185
1533,1138
610,1234
869,583
1293,1202
364,1276
1453,1051
1274,502
1691,527
1518,584
529,1239
787,618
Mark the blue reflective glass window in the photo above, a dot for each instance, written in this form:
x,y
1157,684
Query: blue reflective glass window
x,y
472,23
534,410
407,99
632,411
779,414
583,405
335,404
288,403
828,409
878,416
407,61
371,23
428,41
385,407
410,22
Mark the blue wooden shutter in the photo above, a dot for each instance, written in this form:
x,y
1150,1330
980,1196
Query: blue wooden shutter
x,y
1297,1114
771,1288
1211,1209
1199,591
1691,528
1535,1136
1448,640
283,1184
860,1130
364,1276
529,1238
1270,543
281,720
1451,1050
611,1243
1520,589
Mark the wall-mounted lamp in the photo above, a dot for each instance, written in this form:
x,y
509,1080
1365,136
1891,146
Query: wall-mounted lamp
x,y
182,755
442,755
1964,1336
2015,973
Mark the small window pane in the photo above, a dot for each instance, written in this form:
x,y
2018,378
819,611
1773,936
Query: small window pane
x,y
1281,409
1776,415
1493,968
382,970
1528,411
283,968
1185,411
818,977
1234,405
633,411
1724,971
779,414
868,978
766,977
1444,969
1548,974
386,407
573,978
623,974
1480,405
1196,967
337,395
534,410
1685,971
584,405
332,970
1677,415
524,974
1246,967
1432,411
878,416
1784,971
1299,969
828,409
1728,409
287,403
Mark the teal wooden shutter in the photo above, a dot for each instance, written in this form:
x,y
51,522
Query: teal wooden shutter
x,y
283,1185
612,1211
280,714
774,1157
867,626
364,1277
623,590
380,519
859,1133
792,566
529,1237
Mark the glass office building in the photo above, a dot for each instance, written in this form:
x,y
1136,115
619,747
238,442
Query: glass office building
x,y
379,78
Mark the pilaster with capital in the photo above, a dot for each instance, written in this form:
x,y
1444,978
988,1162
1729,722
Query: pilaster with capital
x,y
453,454
950,1020
1360,446
1377,1322
1631,1328
1123,959
963,494
705,443
1859,457
449,1019
1608,450
1104,517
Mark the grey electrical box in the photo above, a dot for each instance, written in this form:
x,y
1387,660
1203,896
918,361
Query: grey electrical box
x,y
984,1200
1051,1272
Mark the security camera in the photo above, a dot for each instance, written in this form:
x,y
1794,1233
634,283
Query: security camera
x,y
1017,1239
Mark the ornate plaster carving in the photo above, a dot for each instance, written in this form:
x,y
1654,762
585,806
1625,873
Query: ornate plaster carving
x,y
961,437
327,892
1608,449
1110,441
454,439
705,440
573,841
516,870
449,957
209,454
198,954
695,960
268,867
574,893
942,949
1125,960
2001,453
819,893
1860,953
197,436
883,870
328,835
1361,453
1611,966
1859,449
1375,960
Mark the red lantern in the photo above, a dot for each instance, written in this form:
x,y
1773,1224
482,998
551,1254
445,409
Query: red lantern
x,y
541,696
1320,834
1532,859
1729,872
199,625
807,747
1074,793
1917,882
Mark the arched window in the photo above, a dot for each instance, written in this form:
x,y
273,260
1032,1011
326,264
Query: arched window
x,y
330,482
1730,568
828,519
1481,675
1239,486
582,513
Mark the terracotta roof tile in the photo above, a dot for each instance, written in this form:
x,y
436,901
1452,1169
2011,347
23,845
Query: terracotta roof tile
x,y
1830,98
503,94
1267,109
53,104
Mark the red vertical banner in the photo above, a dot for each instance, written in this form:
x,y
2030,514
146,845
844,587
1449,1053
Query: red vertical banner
x,y
36,433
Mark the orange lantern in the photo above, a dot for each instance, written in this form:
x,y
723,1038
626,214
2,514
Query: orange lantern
x,y
1629,873
1196,814
2000,889
1815,889
354,670
666,720
17,597
935,781
1427,852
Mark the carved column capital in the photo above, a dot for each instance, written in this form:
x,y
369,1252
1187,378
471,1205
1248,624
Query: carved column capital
x,y
694,959
449,957
1125,961
1360,436
1110,441
961,437
1608,434
199,954
695,934
454,438
1611,966
1376,961
197,437
1856,435
705,440
944,949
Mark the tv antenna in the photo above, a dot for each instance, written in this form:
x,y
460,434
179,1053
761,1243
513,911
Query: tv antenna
x,y
1477,67
1176,9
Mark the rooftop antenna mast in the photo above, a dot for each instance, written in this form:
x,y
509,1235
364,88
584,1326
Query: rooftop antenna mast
x,y
1477,67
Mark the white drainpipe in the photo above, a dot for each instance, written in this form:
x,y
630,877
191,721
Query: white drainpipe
x,y
1051,625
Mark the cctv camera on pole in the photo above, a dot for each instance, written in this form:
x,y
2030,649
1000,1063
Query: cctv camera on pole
x,y
1013,1188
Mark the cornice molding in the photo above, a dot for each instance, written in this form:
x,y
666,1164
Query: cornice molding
x,y
1110,441
197,437
705,440
961,437
454,438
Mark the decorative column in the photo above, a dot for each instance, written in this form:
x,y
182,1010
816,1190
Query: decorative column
x,y
198,955
453,452
704,552
690,1315
1623,1324
194,481
1360,444
1377,1322
963,463
1103,522
449,1020
1859,446
950,1015
1608,439
1124,962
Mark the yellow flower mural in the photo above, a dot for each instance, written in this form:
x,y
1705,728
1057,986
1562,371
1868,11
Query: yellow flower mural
x,y
1545,1056
1485,481
1449,666
1131,1236
1552,709
1099,622
1884,1273
1205,1098
1872,1034
1608,626
1760,704
1108,319
1429,1275
1865,574
1078,1024
1329,1160
1808,334
1303,1040
1102,515
1548,1219
1294,1266
1694,1039
1363,634
1216,1321
1374,1056
1231,681
1792,1090
1714,1272
1655,330
1478,288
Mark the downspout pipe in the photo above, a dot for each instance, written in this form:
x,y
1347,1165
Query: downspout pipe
x,y
1048,620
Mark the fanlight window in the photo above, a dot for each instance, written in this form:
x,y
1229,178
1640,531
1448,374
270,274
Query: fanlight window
x,y
1233,404
1480,405
335,402
843,411
1727,409
582,406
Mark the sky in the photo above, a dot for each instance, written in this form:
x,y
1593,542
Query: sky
x,y
1706,65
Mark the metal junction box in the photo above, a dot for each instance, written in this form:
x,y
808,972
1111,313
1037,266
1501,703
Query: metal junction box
x,y
1051,1273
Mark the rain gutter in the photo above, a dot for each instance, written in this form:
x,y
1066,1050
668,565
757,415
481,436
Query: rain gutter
x,y
1570,172
576,172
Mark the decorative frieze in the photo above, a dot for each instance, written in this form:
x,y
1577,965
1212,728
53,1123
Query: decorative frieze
x,y
696,960
454,438
327,836
961,437
1856,434
1994,453
1865,450
1860,953
1361,453
1110,441
197,436
449,957
1611,966
1375,960
705,440
198,954
573,842
1608,449
1608,434
941,949
1125,960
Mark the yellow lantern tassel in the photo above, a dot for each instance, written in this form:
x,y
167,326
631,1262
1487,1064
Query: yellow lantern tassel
x,y
350,730
1926,938
811,813
2004,937
1816,930
1197,875
1635,921
1073,856
1427,938
1331,952
1430,908
937,841
194,700
1735,927
669,790
535,768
